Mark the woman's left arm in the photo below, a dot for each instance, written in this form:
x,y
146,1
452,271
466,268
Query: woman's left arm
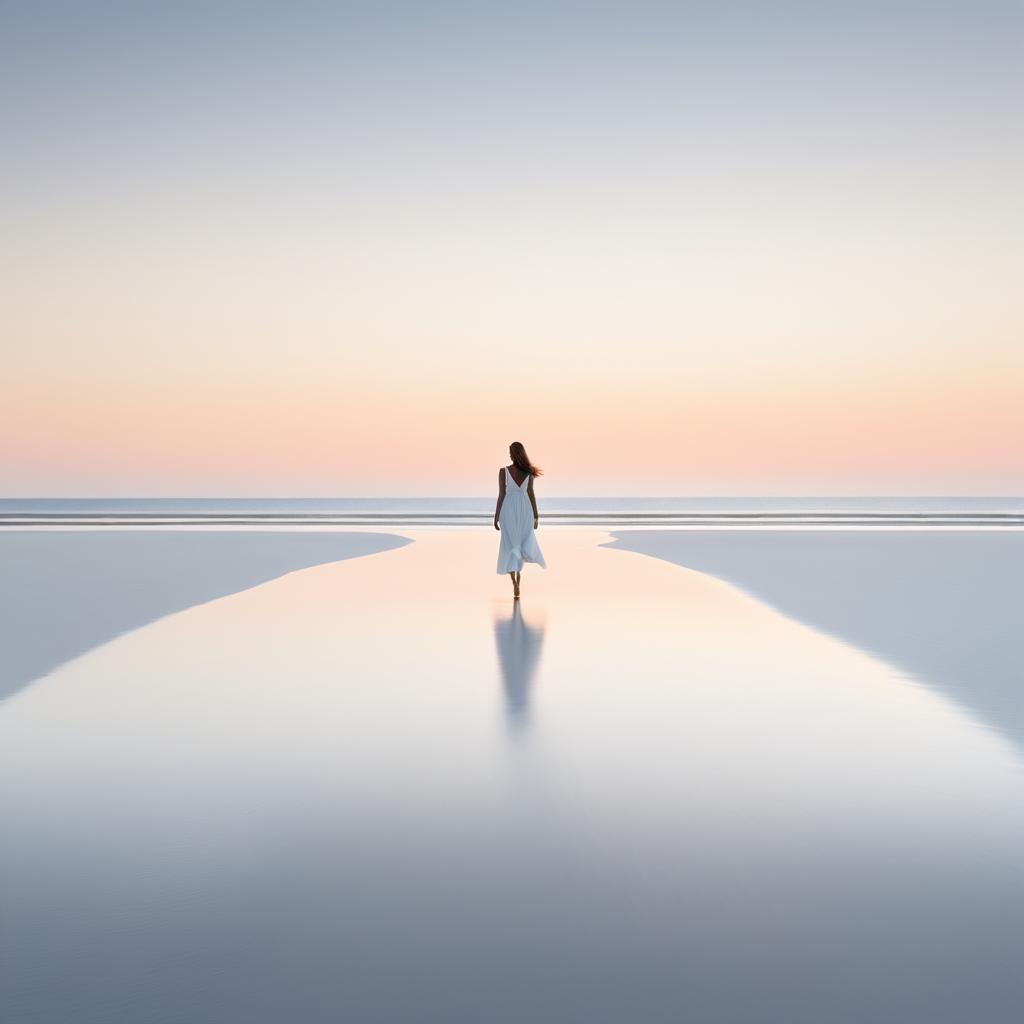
x,y
533,502
501,497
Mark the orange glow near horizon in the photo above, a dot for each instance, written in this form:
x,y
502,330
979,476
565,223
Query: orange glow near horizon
x,y
907,433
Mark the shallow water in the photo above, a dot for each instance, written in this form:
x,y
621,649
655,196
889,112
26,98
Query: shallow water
x,y
376,790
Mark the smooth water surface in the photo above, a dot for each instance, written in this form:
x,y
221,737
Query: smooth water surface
x,y
376,790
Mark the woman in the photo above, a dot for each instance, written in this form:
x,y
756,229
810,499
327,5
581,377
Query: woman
x,y
516,517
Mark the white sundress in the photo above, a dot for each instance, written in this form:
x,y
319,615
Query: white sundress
x,y
518,540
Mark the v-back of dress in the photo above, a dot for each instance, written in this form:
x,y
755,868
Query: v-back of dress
x,y
518,542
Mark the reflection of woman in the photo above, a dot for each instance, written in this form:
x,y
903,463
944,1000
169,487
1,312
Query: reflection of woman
x,y
516,517
518,646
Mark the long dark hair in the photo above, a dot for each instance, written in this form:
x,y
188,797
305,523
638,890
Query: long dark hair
x,y
521,460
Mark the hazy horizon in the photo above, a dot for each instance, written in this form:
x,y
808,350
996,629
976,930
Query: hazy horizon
x,y
557,498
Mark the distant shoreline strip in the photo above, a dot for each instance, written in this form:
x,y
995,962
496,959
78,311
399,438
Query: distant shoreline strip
x,y
407,519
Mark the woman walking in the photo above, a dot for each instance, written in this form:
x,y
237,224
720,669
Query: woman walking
x,y
516,517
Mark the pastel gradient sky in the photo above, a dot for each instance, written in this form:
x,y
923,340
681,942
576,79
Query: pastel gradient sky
x,y
355,249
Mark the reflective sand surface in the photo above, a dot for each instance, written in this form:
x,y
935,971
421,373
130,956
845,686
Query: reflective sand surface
x,y
373,790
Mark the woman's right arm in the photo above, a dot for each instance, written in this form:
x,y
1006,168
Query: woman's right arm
x,y
501,497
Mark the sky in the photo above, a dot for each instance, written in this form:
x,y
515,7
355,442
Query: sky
x,y
346,249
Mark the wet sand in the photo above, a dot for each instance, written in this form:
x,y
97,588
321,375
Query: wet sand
x,y
943,606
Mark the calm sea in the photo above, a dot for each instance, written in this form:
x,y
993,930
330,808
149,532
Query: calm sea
x,y
409,512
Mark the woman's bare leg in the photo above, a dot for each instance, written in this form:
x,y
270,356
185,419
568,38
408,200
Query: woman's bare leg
x,y
514,577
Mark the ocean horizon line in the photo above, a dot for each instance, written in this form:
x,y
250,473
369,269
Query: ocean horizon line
x,y
730,498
